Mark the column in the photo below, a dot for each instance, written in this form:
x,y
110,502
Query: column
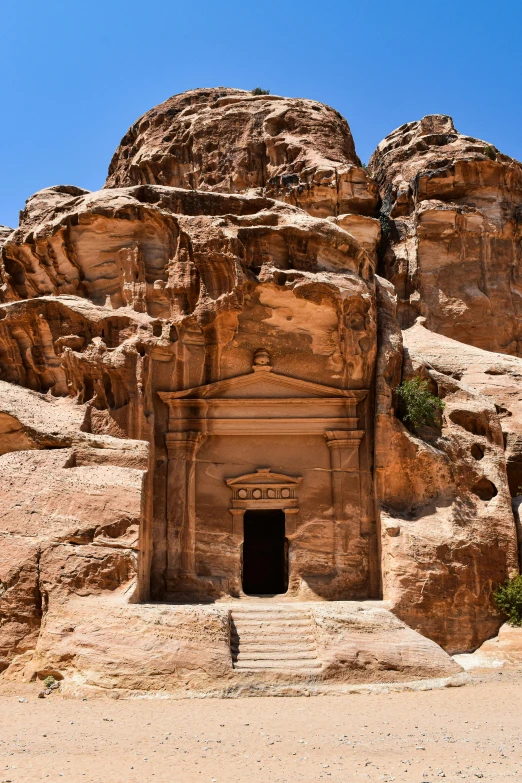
x,y
181,502
346,491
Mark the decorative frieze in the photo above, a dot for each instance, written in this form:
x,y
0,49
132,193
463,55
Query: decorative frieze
x,y
264,489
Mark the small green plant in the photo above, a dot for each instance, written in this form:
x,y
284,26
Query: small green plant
x,y
260,91
489,152
508,598
419,405
49,681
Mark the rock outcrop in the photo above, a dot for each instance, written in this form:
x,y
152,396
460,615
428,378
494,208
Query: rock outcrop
x,y
102,644
4,233
504,650
452,211
231,141
448,536
232,257
70,512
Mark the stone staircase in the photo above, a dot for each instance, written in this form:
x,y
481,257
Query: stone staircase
x,y
278,638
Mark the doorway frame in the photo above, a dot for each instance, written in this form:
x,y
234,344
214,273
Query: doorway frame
x,y
264,491
286,554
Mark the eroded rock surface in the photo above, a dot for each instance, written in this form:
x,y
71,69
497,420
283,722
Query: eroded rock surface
x,y
295,150
70,512
104,643
4,233
451,211
448,535
230,261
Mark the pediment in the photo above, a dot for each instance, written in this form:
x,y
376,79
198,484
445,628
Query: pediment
x,y
263,383
263,477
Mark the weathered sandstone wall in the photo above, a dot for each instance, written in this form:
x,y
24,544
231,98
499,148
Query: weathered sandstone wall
x,y
70,510
152,288
229,223
451,210
231,141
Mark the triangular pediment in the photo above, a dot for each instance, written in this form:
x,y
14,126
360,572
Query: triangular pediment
x,y
263,476
264,384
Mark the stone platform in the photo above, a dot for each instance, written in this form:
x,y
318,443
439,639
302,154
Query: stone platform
x,y
258,647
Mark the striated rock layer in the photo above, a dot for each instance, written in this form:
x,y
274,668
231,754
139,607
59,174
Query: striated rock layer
x,y
204,346
70,511
451,209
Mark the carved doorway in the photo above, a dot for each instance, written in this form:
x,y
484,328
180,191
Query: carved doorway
x,y
265,553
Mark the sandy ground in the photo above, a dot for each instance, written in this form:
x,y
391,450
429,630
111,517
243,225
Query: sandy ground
x,y
466,733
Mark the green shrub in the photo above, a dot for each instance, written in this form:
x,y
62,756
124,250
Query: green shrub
x,y
260,91
489,152
508,598
419,405
49,681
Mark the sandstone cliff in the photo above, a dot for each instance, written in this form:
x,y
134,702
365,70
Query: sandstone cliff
x,y
451,210
450,220
231,141
229,223
447,524
70,512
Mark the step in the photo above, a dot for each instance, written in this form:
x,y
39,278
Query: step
x,y
298,666
265,615
262,646
275,635
302,618
270,621
277,639
281,655
279,624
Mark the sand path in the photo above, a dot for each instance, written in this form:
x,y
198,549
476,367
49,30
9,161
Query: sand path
x,y
466,733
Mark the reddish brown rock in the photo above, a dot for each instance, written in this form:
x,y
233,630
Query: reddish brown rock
x,y
296,150
117,295
493,375
220,304
70,511
451,209
502,651
448,534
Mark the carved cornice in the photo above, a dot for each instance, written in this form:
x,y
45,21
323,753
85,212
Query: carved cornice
x,y
264,489
183,444
340,439
306,388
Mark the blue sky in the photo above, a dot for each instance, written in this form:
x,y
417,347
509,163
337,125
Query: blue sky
x,y
77,74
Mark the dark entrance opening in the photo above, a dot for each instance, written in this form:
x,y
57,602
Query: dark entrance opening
x,y
265,559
